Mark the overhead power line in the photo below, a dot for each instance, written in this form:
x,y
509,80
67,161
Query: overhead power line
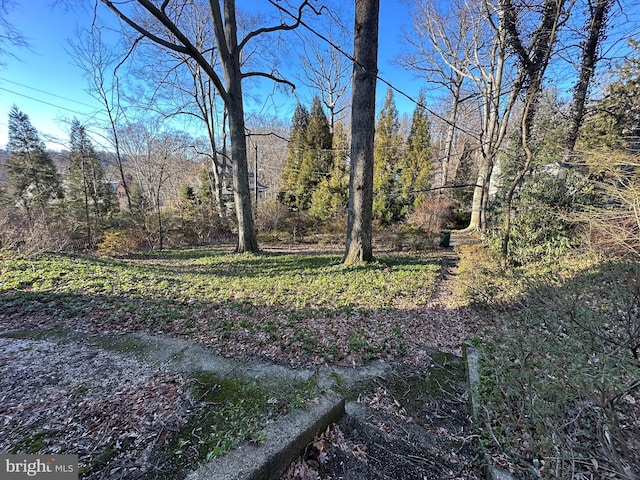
x,y
45,92
353,60
42,101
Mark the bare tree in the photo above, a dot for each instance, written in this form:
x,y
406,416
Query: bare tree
x,y
175,84
101,65
154,157
533,59
9,36
170,32
365,69
437,31
327,70
468,46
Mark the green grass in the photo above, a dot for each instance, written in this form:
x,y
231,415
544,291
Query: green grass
x,y
301,307
299,281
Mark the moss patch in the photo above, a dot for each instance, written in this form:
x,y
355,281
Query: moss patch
x,y
229,411
33,443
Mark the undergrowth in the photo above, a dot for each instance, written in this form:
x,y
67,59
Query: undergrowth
x,y
307,307
560,373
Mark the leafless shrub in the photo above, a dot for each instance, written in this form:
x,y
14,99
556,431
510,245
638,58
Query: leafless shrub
x,y
271,215
44,231
432,214
613,224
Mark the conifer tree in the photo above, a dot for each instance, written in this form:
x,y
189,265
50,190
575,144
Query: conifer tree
x,y
316,157
89,195
416,164
329,200
615,118
387,158
297,144
32,174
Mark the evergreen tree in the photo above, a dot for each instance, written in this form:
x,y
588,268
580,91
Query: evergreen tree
x,y
386,168
89,195
316,158
465,174
32,174
416,165
615,119
329,200
297,144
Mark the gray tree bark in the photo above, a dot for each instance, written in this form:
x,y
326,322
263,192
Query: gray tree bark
x,y
176,38
365,69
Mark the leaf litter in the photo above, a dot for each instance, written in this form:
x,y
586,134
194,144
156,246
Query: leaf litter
x,y
114,411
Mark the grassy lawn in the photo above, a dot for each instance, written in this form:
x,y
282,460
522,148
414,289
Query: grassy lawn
x,y
293,306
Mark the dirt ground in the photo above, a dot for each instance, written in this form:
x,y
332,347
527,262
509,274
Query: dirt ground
x,y
413,424
108,408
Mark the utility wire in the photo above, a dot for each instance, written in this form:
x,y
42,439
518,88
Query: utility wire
x,y
352,59
45,92
43,101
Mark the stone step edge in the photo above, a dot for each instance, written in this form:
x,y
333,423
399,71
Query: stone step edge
x,y
284,441
471,356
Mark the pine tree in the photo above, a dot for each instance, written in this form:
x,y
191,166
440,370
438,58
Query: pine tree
x,y
89,195
387,158
416,165
297,144
615,119
32,174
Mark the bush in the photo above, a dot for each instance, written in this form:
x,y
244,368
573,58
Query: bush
x,y
481,278
413,238
119,242
44,231
544,226
432,214
613,223
271,216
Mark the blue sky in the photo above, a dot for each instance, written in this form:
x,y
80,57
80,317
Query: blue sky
x,y
45,84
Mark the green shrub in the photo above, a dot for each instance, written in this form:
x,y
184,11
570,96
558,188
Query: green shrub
x,y
413,238
481,278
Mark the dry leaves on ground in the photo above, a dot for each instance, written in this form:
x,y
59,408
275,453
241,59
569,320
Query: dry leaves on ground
x,y
106,407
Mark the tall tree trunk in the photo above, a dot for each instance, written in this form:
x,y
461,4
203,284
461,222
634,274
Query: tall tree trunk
x,y
365,70
533,65
480,197
595,32
230,59
247,238
451,131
